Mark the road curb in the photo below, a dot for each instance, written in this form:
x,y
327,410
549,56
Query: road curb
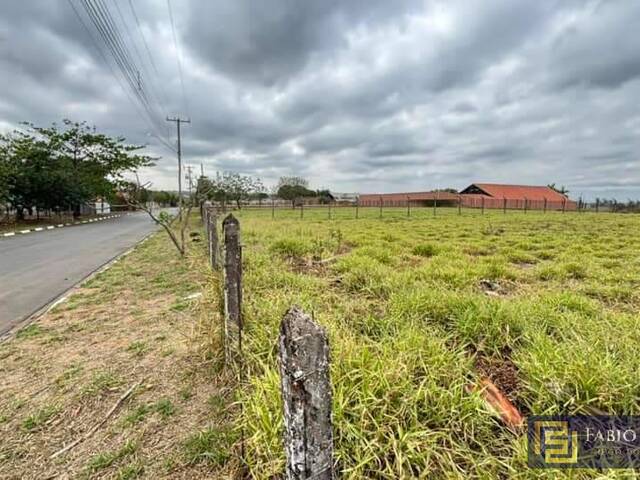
x,y
60,225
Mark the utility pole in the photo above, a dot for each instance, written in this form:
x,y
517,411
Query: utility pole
x,y
189,178
178,121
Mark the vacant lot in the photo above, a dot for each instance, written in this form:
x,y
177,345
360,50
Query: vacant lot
x,y
419,309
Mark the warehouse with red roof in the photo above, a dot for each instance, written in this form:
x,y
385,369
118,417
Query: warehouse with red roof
x,y
478,195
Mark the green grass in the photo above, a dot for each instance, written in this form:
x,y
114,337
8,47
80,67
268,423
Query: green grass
x,y
101,381
105,460
409,312
209,446
38,419
163,407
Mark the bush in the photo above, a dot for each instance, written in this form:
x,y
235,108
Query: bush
x,y
425,250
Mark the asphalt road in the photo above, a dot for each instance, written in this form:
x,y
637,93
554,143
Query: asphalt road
x,y
37,267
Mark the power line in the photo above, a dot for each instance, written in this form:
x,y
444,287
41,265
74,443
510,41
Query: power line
x,y
147,49
102,20
106,61
178,121
175,42
152,84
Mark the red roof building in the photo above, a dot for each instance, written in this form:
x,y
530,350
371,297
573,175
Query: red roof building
x,y
494,195
515,192
478,195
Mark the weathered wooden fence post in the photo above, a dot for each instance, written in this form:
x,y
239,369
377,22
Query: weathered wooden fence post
x,y
273,208
380,206
525,204
357,206
545,205
212,237
232,288
306,395
329,210
564,204
408,206
435,204
482,200
504,205
597,204
459,205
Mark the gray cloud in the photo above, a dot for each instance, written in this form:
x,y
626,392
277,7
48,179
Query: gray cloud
x,y
358,96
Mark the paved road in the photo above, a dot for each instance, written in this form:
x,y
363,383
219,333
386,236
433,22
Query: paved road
x,y
37,267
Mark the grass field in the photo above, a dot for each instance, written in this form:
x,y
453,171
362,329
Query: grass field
x,y
417,309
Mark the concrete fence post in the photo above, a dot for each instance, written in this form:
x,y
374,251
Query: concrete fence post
x,y
232,289
212,238
306,396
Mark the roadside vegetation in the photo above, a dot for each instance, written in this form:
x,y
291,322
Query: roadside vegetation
x,y
143,323
420,309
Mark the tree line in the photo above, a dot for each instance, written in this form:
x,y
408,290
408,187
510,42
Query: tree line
x,y
234,188
61,167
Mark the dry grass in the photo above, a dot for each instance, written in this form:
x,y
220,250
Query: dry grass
x,y
136,322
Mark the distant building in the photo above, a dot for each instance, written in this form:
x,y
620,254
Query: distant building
x,y
344,198
101,207
413,198
494,195
478,195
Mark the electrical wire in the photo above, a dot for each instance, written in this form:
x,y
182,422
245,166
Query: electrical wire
x,y
99,14
164,142
175,42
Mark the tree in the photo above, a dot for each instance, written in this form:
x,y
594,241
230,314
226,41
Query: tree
x,y
175,226
164,198
293,188
228,187
324,196
561,190
52,168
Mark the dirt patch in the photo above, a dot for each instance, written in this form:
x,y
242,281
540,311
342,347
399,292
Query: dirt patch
x,y
307,266
525,265
314,266
495,288
503,373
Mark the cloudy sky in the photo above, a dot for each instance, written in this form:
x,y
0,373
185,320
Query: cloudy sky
x,y
360,95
